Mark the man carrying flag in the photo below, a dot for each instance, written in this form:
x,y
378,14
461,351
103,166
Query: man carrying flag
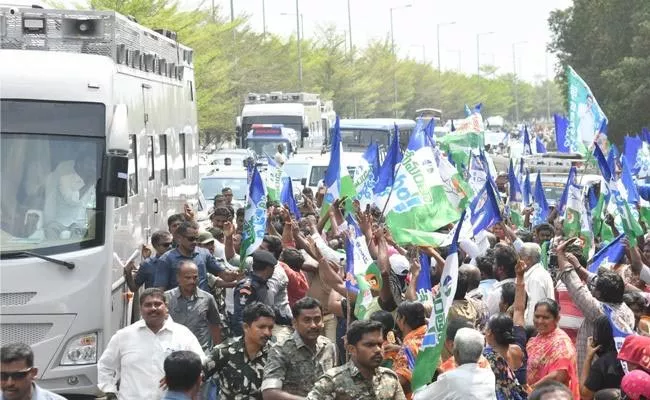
x,y
254,217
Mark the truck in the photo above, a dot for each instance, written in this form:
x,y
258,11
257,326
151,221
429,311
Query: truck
x,y
98,147
302,112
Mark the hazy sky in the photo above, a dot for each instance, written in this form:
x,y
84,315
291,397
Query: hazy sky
x,y
415,27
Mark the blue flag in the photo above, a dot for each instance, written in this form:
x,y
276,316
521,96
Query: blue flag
x,y
602,163
254,217
561,125
514,194
565,194
477,108
429,133
541,149
287,197
619,332
591,197
468,111
527,148
628,182
612,156
485,209
608,256
645,135
541,205
386,174
423,285
631,147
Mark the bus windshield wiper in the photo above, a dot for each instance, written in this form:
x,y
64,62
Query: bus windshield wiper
x,y
67,264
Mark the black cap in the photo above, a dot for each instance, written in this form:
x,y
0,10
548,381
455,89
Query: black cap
x,y
263,258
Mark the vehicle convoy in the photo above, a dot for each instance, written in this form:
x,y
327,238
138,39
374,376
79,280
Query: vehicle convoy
x,y
357,134
98,146
305,113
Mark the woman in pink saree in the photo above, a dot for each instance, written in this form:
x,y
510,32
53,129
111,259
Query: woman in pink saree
x,y
551,354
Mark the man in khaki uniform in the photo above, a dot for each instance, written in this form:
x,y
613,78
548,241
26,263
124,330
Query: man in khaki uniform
x,y
361,378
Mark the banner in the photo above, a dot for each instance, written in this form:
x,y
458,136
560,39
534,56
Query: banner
x,y
585,115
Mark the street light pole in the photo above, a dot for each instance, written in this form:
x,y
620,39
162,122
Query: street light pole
x,y
264,18
392,46
478,53
350,27
232,12
438,40
516,84
299,44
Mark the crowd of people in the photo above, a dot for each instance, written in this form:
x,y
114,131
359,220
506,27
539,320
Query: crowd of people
x,y
280,323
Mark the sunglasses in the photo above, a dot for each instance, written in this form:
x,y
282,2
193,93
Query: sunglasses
x,y
16,375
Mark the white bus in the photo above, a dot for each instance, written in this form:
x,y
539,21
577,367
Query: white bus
x,y
98,146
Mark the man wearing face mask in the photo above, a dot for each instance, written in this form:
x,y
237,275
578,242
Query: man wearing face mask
x,y
135,355
239,363
295,364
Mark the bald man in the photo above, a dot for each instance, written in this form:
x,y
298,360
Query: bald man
x,y
196,309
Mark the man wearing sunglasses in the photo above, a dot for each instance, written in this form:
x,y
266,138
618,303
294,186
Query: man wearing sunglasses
x,y
145,275
17,374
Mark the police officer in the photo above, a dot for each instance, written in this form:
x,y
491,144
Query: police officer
x,y
252,288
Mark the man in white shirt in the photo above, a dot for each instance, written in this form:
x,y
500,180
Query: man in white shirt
x,y
279,157
135,355
505,261
539,284
468,381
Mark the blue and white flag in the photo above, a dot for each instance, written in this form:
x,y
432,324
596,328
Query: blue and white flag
x,y
423,285
478,173
628,182
365,175
394,156
337,179
540,207
561,126
287,197
608,256
619,332
362,273
565,194
485,209
429,131
254,217
585,115
612,158
539,145
602,164
527,190
528,150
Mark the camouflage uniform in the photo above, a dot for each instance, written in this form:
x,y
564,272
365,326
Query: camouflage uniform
x,y
294,368
347,383
239,377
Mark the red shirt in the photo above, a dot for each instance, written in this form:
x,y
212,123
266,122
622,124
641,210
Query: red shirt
x,y
298,286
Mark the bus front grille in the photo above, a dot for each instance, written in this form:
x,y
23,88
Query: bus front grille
x,y
29,334
15,299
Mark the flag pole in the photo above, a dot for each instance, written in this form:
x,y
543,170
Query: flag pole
x,y
391,189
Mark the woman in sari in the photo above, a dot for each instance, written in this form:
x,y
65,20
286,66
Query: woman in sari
x,y
551,354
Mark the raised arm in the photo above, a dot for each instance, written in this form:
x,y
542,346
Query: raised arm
x,y
520,295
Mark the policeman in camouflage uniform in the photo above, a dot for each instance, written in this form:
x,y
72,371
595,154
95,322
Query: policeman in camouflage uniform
x,y
238,364
361,378
294,365
252,288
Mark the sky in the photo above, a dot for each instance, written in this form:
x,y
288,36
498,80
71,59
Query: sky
x,y
414,28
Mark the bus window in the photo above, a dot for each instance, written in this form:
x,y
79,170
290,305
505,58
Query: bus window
x,y
150,158
181,148
133,166
162,139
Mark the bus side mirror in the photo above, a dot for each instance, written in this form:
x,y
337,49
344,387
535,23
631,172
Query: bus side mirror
x,y
303,181
115,173
305,132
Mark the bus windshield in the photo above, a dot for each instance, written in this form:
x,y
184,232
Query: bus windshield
x,y
360,139
49,173
269,147
288,121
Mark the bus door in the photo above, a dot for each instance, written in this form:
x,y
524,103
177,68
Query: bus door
x,y
151,187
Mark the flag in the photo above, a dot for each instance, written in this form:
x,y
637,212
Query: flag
x,y
527,191
527,148
468,112
631,147
576,220
273,179
468,134
416,204
592,200
540,206
287,197
600,139
629,223
429,355
612,156
386,174
423,284
601,229
477,173
515,198
608,256
337,179
619,332
254,217
429,131
563,199
585,115
362,273
602,164
485,209
457,190
628,183
365,175
561,126
539,145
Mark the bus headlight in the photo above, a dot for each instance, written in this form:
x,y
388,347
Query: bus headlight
x,y
80,350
